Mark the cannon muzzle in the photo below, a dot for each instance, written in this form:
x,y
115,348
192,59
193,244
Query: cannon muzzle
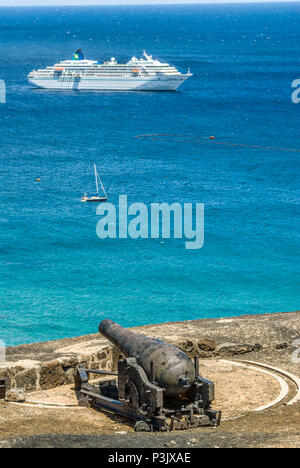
x,y
164,364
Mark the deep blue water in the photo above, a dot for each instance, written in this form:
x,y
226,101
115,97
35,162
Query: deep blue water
x,y
57,278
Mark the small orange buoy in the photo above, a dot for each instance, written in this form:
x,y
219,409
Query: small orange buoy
x,y
212,138
37,180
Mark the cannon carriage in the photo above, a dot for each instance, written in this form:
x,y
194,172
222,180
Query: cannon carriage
x,y
156,384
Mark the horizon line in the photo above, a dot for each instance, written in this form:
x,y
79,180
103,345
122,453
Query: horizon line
x,y
154,3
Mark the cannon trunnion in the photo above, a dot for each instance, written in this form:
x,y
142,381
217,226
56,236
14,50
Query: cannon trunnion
x,y
137,392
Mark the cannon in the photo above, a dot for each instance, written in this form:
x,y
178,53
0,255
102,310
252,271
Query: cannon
x,y
156,385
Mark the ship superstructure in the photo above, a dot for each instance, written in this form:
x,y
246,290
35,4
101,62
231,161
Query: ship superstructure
x,y
144,74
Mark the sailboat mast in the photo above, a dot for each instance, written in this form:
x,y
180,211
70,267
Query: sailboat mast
x,y
96,178
102,187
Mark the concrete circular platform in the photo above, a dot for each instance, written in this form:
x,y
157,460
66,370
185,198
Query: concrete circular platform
x,y
239,389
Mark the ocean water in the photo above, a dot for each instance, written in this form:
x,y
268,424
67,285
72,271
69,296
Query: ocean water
x,y
57,278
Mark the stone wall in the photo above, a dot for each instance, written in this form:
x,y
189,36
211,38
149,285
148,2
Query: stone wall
x,y
51,364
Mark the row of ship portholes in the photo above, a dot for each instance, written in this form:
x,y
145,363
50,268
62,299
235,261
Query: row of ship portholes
x,y
76,78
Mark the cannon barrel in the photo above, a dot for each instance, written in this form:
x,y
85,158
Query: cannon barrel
x,y
164,364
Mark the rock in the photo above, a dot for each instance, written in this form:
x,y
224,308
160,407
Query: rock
x,y
104,364
52,375
202,348
16,395
206,344
115,356
282,345
257,347
171,443
83,401
233,349
205,354
193,441
69,375
26,378
23,375
188,346
3,386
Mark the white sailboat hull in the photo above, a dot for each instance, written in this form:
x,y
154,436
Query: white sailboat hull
x,y
94,200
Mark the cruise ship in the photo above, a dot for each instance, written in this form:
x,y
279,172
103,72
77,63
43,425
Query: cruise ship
x,y
139,74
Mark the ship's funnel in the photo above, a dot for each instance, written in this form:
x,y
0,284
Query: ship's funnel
x,y
78,55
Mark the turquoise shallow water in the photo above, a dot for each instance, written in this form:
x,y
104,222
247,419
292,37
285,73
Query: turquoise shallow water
x,y
57,278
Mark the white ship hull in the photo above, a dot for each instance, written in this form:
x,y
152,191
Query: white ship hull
x,y
109,84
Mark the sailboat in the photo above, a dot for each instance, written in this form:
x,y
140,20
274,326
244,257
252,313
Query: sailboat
x,y
96,198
